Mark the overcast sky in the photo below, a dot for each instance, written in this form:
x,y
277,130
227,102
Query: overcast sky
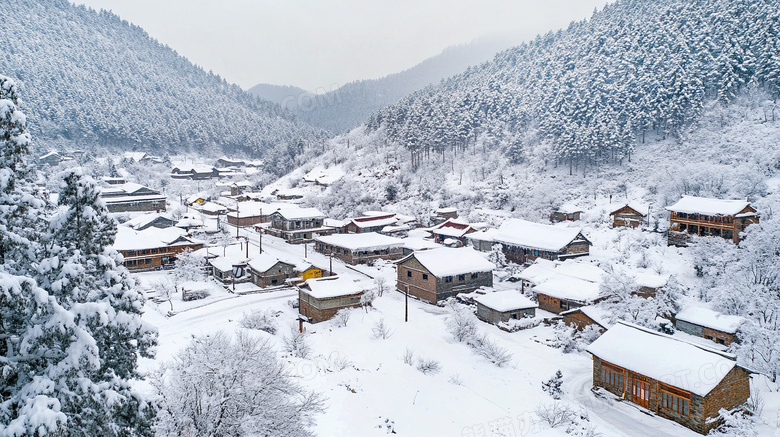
x,y
318,43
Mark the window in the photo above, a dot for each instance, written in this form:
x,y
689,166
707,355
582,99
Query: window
x,y
274,281
612,376
425,276
448,279
461,277
408,273
693,229
474,275
675,400
728,233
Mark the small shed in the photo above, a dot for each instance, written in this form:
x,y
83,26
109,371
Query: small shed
x,y
319,299
502,306
268,271
628,216
709,324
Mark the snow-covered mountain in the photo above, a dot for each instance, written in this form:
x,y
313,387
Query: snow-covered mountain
x,y
91,80
351,104
591,92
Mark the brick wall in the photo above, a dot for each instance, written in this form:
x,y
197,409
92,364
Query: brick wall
x,y
733,391
580,321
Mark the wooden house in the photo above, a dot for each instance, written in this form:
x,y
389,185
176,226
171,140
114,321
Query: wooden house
x,y
452,229
320,299
360,248
249,213
268,271
297,225
704,216
566,213
229,162
213,209
628,216
437,274
562,286
149,220
667,376
705,323
503,306
582,317
444,214
152,248
524,241
132,197
373,223
194,172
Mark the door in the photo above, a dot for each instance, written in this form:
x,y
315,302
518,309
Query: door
x,y
641,393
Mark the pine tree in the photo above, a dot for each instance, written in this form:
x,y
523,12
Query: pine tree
x,y
71,330
83,272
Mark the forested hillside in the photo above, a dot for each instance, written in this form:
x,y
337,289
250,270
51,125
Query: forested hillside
x,y
90,79
589,94
352,103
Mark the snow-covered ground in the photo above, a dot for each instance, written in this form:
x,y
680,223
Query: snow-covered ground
x,y
369,387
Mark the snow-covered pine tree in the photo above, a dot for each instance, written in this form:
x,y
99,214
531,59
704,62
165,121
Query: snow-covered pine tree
x,y
83,272
64,360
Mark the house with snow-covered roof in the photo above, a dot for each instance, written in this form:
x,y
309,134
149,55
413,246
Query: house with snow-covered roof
x,y
360,248
454,229
320,299
152,248
591,315
629,216
524,241
268,271
562,285
709,324
434,275
669,377
297,225
152,219
502,306
693,215
566,213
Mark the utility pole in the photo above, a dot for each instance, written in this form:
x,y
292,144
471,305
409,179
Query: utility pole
x,y
237,219
331,263
406,304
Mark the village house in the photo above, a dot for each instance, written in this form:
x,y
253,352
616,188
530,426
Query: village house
x,y
319,299
132,197
709,324
444,214
194,172
360,248
628,216
212,209
229,269
370,223
561,286
229,162
452,229
566,213
297,225
667,376
151,219
435,275
152,248
590,315
525,241
268,271
137,157
51,158
113,180
243,214
704,216
502,306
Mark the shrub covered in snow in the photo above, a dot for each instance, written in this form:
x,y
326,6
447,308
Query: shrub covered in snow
x,y
428,366
297,344
262,320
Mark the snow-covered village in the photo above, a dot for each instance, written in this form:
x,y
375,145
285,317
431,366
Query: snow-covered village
x,y
503,220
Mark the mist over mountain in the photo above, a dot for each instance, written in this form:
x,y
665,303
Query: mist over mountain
x,y
351,104
91,80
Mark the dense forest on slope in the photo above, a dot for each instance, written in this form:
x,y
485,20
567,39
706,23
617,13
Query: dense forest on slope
x,y
91,80
591,92
351,104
